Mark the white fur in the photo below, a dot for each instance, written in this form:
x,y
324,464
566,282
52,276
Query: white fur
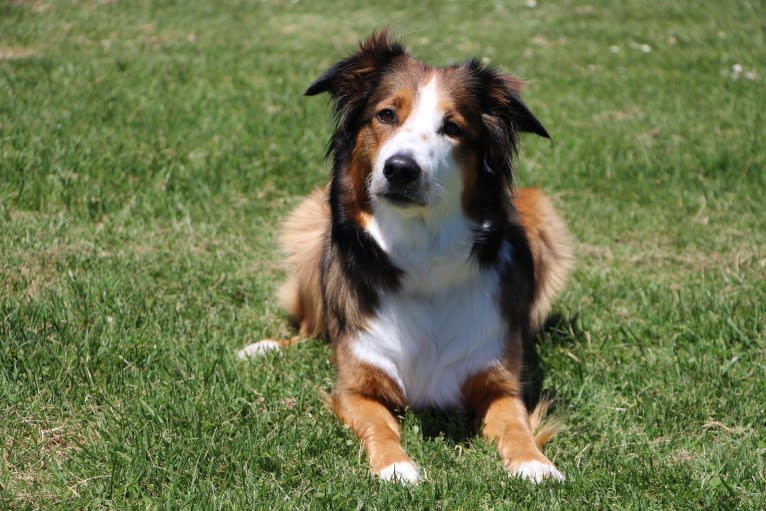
x,y
445,324
419,136
257,349
401,472
430,343
537,471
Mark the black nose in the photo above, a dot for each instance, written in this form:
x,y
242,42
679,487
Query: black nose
x,y
401,169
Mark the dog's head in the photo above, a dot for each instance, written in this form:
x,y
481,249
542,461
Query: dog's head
x,y
411,137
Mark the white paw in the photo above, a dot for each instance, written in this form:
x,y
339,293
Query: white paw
x,y
402,472
536,471
257,349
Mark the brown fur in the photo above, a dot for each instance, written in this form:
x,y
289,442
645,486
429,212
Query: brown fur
x,y
372,422
495,397
304,238
363,399
328,295
364,395
551,249
304,241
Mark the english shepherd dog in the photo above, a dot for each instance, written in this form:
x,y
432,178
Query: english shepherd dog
x,y
419,262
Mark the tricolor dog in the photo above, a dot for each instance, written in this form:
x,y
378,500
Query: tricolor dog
x,y
419,262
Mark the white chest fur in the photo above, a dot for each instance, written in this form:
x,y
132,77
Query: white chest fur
x,y
443,326
429,345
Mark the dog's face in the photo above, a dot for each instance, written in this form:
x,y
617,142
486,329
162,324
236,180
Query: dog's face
x,y
413,139
411,136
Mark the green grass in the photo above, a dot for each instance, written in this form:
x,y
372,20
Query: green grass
x,y
148,150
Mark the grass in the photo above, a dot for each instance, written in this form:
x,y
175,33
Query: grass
x,y
148,149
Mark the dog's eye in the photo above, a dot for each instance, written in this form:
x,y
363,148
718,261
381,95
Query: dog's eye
x,y
451,129
386,116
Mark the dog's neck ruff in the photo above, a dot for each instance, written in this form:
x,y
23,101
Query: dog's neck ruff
x,y
433,248
444,324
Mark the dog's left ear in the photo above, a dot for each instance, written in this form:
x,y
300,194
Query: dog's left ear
x,y
503,117
504,92
351,74
351,80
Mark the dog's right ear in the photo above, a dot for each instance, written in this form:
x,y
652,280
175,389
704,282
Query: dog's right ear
x,y
351,78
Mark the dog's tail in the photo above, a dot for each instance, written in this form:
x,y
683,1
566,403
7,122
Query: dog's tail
x,y
551,248
544,428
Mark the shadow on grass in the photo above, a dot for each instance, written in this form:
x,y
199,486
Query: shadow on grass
x,y
560,329
457,426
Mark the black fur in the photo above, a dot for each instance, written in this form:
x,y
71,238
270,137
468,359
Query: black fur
x,y
368,271
504,116
351,82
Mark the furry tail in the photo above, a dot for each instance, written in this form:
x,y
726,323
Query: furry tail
x,y
543,427
551,248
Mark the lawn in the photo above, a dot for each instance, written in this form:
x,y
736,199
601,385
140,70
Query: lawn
x,y
148,151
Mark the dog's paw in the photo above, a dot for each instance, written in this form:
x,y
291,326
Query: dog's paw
x,y
537,471
402,472
257,349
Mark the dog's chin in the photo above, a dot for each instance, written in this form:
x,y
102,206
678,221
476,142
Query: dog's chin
x,y
402,199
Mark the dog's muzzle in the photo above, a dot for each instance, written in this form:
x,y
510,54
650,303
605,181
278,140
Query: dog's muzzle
x,y
402,175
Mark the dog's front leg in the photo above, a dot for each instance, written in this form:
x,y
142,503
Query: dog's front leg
x,y
378,429
495,398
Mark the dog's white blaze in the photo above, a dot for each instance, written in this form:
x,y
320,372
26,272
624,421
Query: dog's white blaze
x,y
445,323
434,242
419,137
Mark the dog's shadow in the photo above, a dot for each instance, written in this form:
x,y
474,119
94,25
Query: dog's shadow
x,y
455,425
561,329
460,426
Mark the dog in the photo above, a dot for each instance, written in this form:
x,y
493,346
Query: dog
x,y
419,262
